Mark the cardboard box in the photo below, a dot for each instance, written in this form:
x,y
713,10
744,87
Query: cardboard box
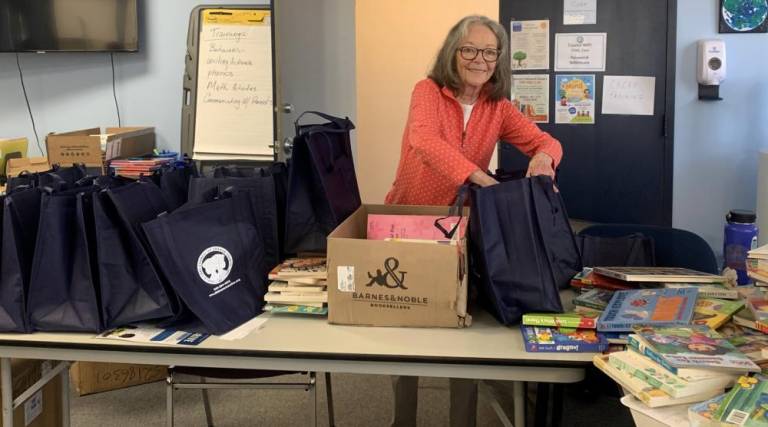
x,y
28,164
390,283
11,148
96,377
92,147
43,408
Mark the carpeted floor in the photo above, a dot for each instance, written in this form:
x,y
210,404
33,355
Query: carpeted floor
x,y
359,400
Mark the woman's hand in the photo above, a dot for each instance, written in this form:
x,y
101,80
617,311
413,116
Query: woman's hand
x,y
482,179
541,164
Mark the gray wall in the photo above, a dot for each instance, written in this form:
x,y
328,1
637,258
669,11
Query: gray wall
x,y
717,143
69,91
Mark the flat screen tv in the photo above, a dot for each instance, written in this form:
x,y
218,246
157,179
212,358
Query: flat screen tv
x,y
68,26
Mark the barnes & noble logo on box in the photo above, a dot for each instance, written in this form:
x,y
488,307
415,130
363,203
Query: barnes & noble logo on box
x,y
391,279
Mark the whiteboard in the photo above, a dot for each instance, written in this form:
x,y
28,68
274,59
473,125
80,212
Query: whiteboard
x,y
233,97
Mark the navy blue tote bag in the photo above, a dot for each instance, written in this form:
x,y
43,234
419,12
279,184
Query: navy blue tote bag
x,y
63,289
322,186
21,212
212,255
137,203
261,190
523,249
131,290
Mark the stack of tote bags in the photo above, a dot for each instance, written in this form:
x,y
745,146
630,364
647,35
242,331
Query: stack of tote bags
x,y
86,253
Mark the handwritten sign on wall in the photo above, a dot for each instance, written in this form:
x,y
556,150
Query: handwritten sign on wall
x,y
631,95
234,108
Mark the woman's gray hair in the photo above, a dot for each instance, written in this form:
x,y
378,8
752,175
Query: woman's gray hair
x,y
445,72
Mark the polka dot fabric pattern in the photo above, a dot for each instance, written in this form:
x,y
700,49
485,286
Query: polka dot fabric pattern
x,y
438,154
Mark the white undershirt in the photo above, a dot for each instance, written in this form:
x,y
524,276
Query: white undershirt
x,y
467,112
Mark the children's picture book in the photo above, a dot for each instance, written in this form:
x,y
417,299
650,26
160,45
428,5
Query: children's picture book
x,y
708,290
752,343
641,367
295,309
758,305
596,299
648,307
566,320
637,344
694,347
314,267
562,340
700,414
386,226
745,318
714,312
746,404
651,396
659,274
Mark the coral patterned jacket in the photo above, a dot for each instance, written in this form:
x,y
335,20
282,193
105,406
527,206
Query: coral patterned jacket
x,y
438,154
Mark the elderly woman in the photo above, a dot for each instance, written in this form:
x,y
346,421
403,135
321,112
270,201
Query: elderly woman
x,y
456,117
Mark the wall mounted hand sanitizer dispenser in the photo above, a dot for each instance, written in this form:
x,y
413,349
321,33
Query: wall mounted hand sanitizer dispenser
x,y
710,68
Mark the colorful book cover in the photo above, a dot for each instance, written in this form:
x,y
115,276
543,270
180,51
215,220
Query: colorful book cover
x,y
758,305
562,340
651,396
752,343
383,226
708,290
566,320
648,307
695,347
700,414
300,267
747,319
746,404
596,298
655,375
637,344
714,312
296,309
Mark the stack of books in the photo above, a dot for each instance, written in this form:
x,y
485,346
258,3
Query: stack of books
x,y
562,333
745,405
138,166
298,285
757,265
676,365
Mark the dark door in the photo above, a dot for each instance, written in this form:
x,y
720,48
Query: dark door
x,y
620,168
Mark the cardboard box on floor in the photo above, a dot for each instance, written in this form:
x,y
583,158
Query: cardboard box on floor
x,y
92,147
43,408
96,377
389,283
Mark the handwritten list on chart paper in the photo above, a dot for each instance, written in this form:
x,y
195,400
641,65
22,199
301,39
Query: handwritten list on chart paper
x,y
234,108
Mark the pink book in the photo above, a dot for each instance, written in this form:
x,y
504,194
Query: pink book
x,y
381,226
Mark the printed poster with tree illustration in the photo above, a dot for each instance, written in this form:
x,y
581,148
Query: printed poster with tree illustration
x,y
575,99
529,45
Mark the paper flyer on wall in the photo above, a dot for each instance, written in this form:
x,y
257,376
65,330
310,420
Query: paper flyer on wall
x,y
580,52
574,99
145,333
529,45
579,12
632,95
530,94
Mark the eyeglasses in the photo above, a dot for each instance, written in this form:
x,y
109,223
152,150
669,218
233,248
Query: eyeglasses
x,y
489,54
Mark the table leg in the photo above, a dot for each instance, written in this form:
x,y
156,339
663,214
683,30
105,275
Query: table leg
x,y
518,403
65,410
7,390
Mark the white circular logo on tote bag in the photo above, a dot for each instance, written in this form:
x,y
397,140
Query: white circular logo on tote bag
x,y
214,265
